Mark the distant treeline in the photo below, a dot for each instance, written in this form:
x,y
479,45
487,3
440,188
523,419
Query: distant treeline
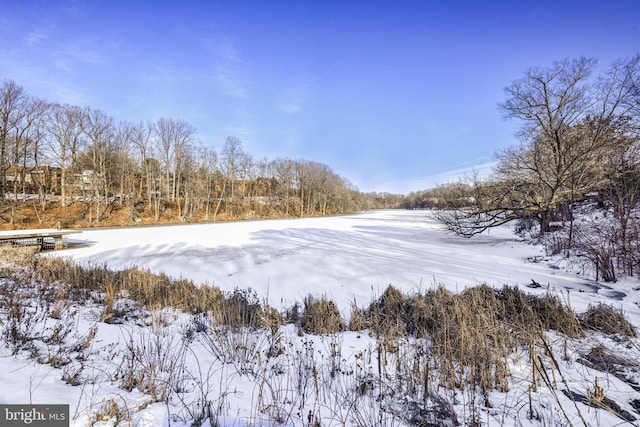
x,y
68,155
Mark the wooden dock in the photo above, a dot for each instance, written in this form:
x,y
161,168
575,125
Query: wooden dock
x,y
46,238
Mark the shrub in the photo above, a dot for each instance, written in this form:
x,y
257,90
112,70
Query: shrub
x,y
24,310
525,311
153,363
292,314
155,291
470,333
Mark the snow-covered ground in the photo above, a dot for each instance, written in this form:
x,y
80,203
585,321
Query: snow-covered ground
x,y
348,259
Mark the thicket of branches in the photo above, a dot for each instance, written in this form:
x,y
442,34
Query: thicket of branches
x,y
578,135
579,140
149,168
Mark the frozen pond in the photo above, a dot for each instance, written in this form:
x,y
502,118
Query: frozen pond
x,y
348,258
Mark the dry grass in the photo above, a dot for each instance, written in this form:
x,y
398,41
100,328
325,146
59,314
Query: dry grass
x,y
157,291
418,315
240,308
547,312
11,256
463,340
601,358
388,313
423,314
356,321
608,320
271,319
471,333
321,316
86,281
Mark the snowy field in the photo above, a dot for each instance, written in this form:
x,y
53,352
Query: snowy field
x,y
329,379
347,258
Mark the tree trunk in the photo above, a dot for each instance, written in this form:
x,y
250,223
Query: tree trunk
x,y
544,221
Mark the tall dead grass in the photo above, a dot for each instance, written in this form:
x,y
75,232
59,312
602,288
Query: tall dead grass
x,y
470,334
438,312
12,256
427,341
608,320
321,316
240,308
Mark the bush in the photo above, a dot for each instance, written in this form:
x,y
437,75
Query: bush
x,y
526,227
356,321
270,319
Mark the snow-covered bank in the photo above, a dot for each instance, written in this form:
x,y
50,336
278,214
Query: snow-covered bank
x,y
165,368
349,258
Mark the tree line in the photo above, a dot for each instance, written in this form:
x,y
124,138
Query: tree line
x,y
579,140
66,155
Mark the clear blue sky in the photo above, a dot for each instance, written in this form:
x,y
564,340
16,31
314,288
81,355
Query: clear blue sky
x,y
395,96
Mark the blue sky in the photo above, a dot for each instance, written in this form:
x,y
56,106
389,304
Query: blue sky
x,y
396,96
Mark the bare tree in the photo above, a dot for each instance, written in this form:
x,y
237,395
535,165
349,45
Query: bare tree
x,y
266,186
125,167
284,173
566,124
27,137
207,168
186,187
64,140
85,152
231,159
141,138
550,103
28,133
99,159
247,173
13,100
34,135
625,76
173,138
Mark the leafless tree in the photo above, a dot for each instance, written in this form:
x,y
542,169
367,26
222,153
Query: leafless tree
x,y
551,104
206,163
284,174
141,140
27,136
628,84
126,169
266,186
13,106
99,159
157,162
231,159
34,137
173,138
566,124
187,184
64,140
